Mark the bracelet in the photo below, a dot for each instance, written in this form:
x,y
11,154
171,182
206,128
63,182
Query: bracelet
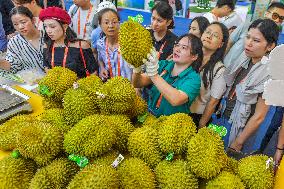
x,y
279,148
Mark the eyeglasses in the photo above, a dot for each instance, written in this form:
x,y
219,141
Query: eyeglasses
x,y
183,47
113,23
210,33
276,16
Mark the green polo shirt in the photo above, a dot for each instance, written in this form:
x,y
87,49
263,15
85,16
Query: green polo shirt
x,y
187,81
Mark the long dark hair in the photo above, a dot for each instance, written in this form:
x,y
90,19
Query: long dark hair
x,y
202,22
196,49
70,36
217,56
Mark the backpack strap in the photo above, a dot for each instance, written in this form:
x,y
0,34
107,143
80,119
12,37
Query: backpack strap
x,y
218,70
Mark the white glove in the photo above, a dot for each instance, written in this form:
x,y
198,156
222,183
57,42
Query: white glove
x,y
151,63
135,70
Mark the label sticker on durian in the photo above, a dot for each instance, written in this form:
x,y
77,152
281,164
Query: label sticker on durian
x,y
221,130
117,161
269,162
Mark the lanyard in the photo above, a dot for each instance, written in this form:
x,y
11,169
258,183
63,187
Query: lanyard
x,y
109,63
65,56
161,49
79,22
158,104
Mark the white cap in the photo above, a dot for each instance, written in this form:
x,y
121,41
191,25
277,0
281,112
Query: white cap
x,y
106,4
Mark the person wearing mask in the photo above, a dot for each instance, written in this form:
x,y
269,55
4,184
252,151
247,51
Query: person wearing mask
x,y
198,26
224,12
161,21
109,56
25,49
235,47
245,108
213,85
83,18
5,7
173,84
34,7
62,47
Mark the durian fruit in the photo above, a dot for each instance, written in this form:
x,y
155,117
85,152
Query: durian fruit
x,y
49,103
107,158
57,81
10,129
175,133
16,173
225,180
255,173
95,177
58,174
40,141
135,42
206,154
56,118
139,108
143,144
78,104
117,96
232,166
124,128
91,84
91,137
175,174
134,173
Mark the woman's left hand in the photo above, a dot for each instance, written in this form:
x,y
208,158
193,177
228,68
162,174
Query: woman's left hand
x,y
151,63
236,146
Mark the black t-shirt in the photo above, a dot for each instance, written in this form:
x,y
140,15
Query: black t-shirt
x,y
167,42
51,3
74,60
5,7
232,98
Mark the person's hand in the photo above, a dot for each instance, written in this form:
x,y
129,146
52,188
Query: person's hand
x,y
236,146
103,74
152,63
135,70
277,157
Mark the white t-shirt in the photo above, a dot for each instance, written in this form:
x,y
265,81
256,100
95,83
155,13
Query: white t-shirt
x,y
211,17
232,20
83,18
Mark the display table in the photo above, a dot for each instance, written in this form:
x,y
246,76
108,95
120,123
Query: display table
x,y
36,103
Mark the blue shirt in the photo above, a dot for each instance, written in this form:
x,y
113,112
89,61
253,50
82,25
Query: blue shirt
x,y
96,35
125,71
3,39
188,81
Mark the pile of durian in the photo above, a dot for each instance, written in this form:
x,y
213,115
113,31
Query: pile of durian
x,y
98,122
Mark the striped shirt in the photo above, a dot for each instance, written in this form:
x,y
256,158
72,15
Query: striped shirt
x,y
22,55
125,70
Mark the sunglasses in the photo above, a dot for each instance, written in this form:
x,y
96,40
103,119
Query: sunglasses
x,y
276,16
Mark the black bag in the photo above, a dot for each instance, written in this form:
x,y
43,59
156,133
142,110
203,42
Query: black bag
x,y
178,5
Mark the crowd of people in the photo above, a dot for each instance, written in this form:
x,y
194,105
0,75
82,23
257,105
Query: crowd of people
x,y
217,67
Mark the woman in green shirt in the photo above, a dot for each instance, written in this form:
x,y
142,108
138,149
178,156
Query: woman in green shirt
x,y
172,84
